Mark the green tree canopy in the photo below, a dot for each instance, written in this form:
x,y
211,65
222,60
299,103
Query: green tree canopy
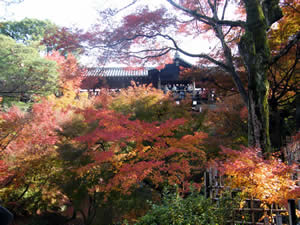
x,y
27,30
24,71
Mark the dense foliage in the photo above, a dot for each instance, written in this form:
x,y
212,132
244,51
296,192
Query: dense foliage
x,y
104,159
73,148
23,72
269,180
194,209
238,45
27,30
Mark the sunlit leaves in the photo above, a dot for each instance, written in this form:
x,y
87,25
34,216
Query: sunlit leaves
x,y
269,180
136,150
70,78
29,142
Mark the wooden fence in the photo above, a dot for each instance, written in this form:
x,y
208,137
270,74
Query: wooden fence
x,y
251,212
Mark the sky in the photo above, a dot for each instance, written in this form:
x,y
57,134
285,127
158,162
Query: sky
x,y
75,13
80,13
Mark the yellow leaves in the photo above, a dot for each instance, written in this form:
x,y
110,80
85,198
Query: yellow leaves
x,y
146,148
298,213
119,159
268,180
53,197
286,27
242,204
140,101
71,99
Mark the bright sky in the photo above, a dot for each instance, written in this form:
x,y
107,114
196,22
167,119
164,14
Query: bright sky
x,y
77,13
80,13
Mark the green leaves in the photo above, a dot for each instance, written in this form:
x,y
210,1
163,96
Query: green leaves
x,y
26,30
192,210
24,71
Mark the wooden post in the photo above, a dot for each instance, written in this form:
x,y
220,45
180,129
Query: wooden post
x,y
252,211
159,83
206,184
278,216
210,177
194,87
292,211
278,220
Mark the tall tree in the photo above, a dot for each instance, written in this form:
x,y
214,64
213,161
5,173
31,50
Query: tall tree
x,y
144,34
284,74
24,71
27,30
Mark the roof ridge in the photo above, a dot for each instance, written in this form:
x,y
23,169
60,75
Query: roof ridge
x,y
121,67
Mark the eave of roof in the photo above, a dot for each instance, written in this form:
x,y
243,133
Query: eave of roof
x,y
118,72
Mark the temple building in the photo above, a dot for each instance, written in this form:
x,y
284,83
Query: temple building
x,y
166,79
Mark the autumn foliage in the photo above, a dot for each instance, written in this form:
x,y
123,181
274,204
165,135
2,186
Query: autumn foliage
x,y
138,150
269,180
104,144
64,40
77,154
28,145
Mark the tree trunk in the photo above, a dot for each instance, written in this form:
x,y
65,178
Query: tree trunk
x,y
276,127
255,51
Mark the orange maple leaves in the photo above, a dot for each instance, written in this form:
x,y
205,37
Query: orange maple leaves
x,y
269,180
138,150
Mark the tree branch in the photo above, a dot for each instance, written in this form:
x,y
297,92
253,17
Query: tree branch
x,y
286,49
206,19
224,9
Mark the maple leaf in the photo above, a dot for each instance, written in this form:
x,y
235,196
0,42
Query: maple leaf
x,y
266,179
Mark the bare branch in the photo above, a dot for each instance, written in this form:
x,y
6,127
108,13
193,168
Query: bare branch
x,y
206,19
127,6
287,79
224,9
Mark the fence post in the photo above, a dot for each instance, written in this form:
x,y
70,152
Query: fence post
x,y
252,211
206,184
278,220
292,211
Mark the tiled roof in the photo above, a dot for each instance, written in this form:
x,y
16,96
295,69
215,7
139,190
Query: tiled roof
x,y
118,72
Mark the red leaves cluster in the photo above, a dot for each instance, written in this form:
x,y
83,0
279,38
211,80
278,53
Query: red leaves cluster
x,y
146,19
131,175
269,180
70,75
14,113
34,131
63,40
138,150
135,26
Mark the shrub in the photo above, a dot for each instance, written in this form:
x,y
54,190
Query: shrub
x,y
192,210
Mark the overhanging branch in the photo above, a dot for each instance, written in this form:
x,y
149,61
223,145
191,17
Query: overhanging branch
x,y
206,19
